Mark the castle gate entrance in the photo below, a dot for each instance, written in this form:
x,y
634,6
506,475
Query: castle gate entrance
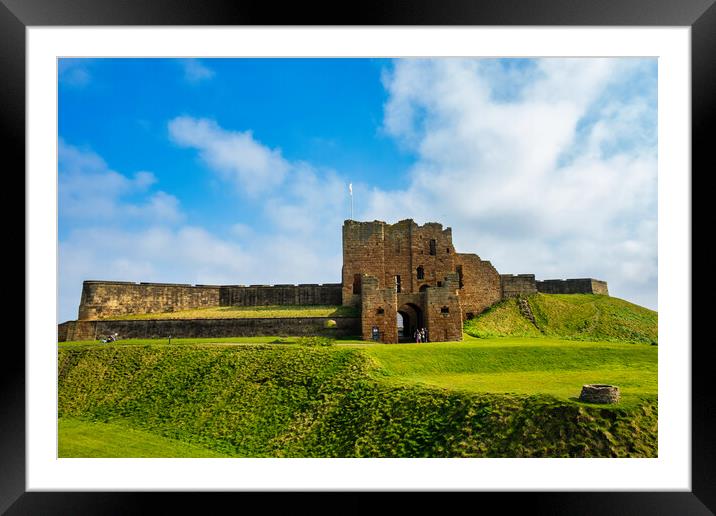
x,y
412,319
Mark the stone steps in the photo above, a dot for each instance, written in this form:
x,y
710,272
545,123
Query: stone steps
x,y
526,311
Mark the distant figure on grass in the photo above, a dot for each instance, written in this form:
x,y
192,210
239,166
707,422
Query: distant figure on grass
x,y
423,335
418,336
110,338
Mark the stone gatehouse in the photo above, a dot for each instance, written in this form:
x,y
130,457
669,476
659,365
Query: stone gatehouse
x,y
405,276
402,276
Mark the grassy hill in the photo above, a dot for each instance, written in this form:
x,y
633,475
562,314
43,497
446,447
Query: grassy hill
x,y
569,316
522,366
107,440
479,398
249,312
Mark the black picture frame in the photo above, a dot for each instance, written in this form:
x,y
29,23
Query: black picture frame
x,y
699,15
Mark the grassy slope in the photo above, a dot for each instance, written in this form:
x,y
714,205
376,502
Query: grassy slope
x,y
523,366
93,439
572,316
249,312
270,400
502,319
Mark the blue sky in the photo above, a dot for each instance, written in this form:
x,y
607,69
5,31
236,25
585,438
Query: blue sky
x,y
235,171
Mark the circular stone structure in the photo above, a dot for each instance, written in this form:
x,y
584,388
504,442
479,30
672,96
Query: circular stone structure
x,y
598,393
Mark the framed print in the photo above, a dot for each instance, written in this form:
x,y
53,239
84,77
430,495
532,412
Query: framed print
x,y
261,165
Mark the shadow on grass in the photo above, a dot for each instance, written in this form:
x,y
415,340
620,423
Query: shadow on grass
x,y
345,311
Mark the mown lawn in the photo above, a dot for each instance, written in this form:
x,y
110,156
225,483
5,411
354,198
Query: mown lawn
x,y
109,440
249,312
518,365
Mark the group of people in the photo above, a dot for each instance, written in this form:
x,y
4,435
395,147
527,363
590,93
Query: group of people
x,y
109,338
421,335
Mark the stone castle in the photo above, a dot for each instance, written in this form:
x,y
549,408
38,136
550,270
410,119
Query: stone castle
x,y
405,276
400,276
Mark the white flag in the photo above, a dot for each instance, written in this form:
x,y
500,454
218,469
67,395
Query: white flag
x,y
350,188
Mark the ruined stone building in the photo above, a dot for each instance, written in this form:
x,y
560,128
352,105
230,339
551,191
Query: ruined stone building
x,y
401,276
405,276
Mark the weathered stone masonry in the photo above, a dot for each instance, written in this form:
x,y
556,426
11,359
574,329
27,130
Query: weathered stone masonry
x,y
518,285
207,328
103,299
412,272
573,286
264,295
393,272
525,284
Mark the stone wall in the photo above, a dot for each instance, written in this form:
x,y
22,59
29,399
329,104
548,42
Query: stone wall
x,y
600,287
104,299
195,328
62,330
403,255
443,314
262,295
362,254
392,253
435,266
479,284
397,258
408,259
518,285
101,299
573,286
378,309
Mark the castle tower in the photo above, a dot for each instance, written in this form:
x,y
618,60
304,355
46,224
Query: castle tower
x,y
405,276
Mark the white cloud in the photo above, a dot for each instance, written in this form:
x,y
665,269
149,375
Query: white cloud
x,y
195,71
188,254
308,201
492,167
156,253
300,244
90,190
240,230
160,207
235,156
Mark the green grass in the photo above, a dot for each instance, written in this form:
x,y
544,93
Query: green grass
x,y
569,316
523,366
93,439
509,389
509,397
250,312
198,341
502,319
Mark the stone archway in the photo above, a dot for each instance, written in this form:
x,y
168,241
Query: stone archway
x,y
412,318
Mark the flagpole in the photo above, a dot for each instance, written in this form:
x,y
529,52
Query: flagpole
x,y
350,189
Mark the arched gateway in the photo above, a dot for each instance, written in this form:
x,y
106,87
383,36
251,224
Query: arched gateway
x,y
404,276
411,317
